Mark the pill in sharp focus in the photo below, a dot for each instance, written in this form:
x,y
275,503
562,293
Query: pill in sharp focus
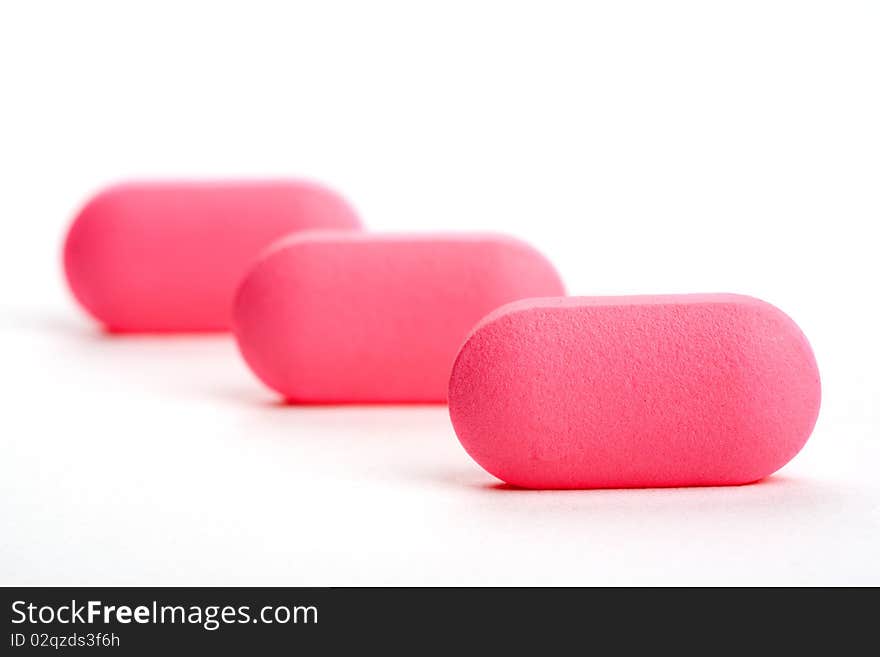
x,y
333,317
168,256
625,392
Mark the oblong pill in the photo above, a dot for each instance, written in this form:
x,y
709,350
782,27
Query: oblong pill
x,y
353,317
623,392
168,256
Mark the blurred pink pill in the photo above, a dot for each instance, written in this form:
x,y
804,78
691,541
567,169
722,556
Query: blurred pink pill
x,y
623,392
353,317
168,256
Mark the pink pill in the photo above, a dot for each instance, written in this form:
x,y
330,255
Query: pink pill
x,y
624,392
352,317
168,256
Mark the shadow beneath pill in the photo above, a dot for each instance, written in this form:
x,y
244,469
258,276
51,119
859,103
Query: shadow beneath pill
x,y
783,490
290,404
195,366
503,486
84,329
260,396
254,395
382,445
188,365
476,483
782,497
12,319
353,421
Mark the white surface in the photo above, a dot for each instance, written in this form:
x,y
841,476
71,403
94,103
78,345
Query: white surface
x,y
644,147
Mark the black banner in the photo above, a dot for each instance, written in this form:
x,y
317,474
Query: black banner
x,y
134,621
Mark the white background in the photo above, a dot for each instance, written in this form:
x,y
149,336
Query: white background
x,y
645,147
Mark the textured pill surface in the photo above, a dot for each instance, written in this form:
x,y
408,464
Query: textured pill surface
x,y
623,392
337,317
168,256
